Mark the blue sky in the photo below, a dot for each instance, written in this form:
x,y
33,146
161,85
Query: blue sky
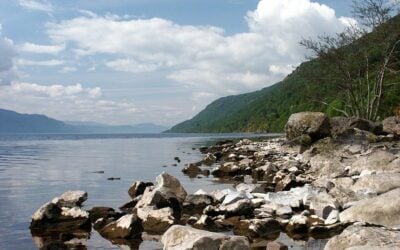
x,y
134,61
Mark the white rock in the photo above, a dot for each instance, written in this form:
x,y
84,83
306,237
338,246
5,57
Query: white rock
x,y
333,217
125,221
74,212
200,191
187,238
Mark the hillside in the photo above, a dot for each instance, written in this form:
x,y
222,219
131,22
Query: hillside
x,y
267,110
13,122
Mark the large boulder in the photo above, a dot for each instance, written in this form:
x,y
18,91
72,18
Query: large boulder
x,y
126,227
167,193
314,124
61,215
391,125
359,237
381,210
185,238
170,186
156,221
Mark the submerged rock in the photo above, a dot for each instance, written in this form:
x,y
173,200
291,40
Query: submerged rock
x,y
187,238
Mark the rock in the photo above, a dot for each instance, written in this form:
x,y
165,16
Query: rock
x,y
234,197
262,228
52,217
170,186
284,211
332,218
126,227
249,188
376,184
276,246
192,170
71,199
209,159
298,224
288,182
219,195
266,172
241,207
366,125
391,125
314,124
195,203
377,161
321,231
103,212
138,188
341,190
156,221
339,125
365,237
167,193
294,198
326,166
185,238
381,210
130,206
227,169
322,204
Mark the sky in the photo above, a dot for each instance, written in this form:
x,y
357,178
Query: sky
x,y
137,61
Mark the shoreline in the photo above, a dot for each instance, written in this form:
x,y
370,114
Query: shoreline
x,y
318,189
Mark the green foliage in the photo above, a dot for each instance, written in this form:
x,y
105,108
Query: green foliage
x,y
268,110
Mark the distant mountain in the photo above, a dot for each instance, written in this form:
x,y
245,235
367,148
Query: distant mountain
x,y
13,122
94,127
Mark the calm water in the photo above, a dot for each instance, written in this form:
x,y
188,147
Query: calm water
x,y
36,168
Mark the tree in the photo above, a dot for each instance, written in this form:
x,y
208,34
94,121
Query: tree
x,y
362,58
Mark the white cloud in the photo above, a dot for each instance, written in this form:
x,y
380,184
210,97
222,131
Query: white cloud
x,y
8,54
130,65
45,63
71,102
204,57
68,69
40,5
41,49
56,90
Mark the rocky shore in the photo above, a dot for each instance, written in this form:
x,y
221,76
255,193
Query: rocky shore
x,y
335,179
